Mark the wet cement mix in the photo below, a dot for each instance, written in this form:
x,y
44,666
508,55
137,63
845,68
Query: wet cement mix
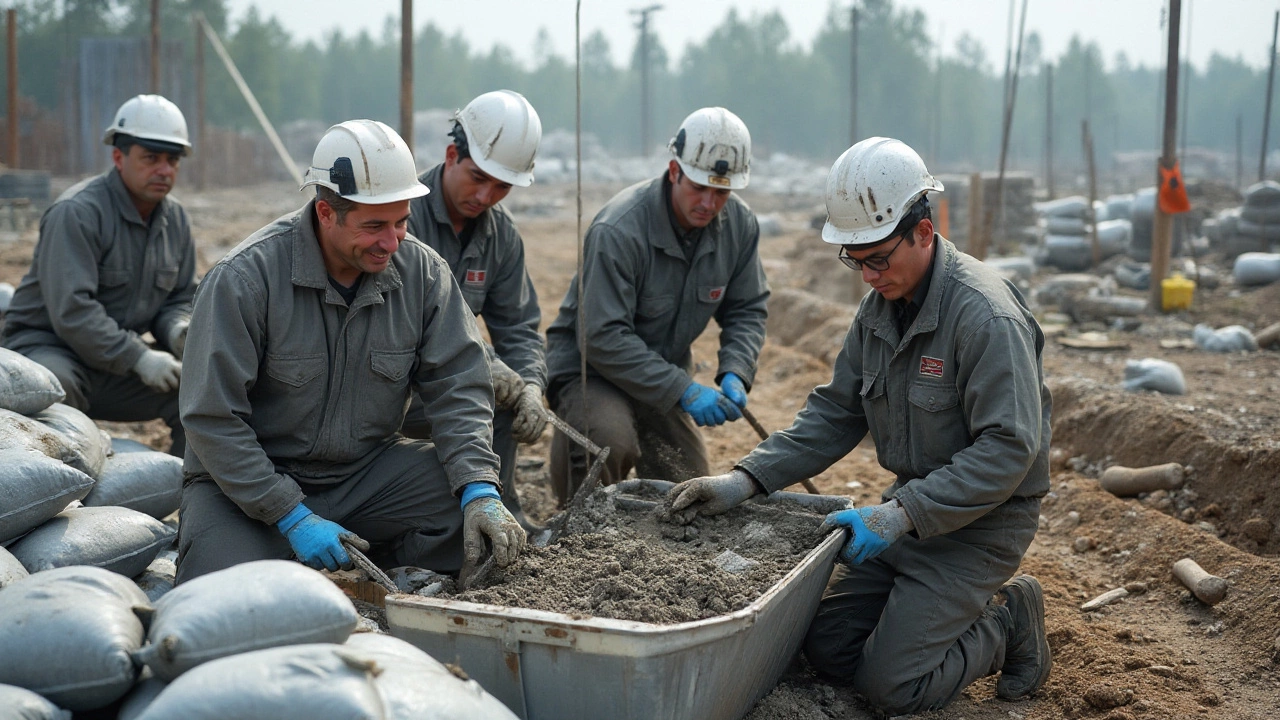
x,y
624,557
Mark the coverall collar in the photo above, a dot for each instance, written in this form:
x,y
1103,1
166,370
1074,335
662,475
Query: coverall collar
x,y
124,201
309,270
484,227
662,223
884,320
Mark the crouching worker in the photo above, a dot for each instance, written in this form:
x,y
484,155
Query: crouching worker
x,y
942,365
307,341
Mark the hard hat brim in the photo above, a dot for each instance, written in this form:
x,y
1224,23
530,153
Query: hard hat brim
x,y
732,181
498,172
408,193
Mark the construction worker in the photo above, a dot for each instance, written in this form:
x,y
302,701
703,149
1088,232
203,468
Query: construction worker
x,y
495,140
661,259
115,261
307,341
943,366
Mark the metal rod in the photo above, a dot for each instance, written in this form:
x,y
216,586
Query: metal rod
x,y
989,217
764,435
853,74
253,102
202,165
1048,129
406,72
582,307
155,47
1162,230
1266,112
11,15
1239,150
1186,85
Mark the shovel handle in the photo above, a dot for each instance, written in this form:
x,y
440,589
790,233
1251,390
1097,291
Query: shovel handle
x,y
764,435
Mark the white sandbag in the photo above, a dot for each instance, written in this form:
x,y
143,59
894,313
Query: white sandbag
x,y
1261,231
11,571
1135,276
247,607
1155,375
1073,206
141,697
1119,206
1055,289
1143,206
306,682
87,444
1113,236
1261,215
69,635
1256,268
117,539
26,386
34,488
1015,268
1232,338
1068,252
1055,225
415,686
125,445
1262,194
159,577
21,704
149,482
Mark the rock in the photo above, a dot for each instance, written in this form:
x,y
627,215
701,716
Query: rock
x,y
733,563
1136,588
1105,599
1257,529
1083,543
1104,697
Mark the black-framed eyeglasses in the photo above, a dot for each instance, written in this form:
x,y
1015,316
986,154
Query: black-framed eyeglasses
x,y
878,263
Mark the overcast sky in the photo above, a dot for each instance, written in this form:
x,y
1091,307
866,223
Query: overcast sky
x,y
1236,28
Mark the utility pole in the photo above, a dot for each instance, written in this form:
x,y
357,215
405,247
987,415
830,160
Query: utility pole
x,y
1162,232
12,53
1048,129
1239,151
645,115
853,75
1086,138
979,250
406,72
155,47
1266,113
202,164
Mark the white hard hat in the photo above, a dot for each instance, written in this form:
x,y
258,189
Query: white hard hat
x,y
503,131
713,148
150,118
365,161
869,189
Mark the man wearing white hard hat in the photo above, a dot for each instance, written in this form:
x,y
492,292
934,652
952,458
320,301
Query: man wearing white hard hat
x,y
661,260
495,141
942,365
115,261
307,341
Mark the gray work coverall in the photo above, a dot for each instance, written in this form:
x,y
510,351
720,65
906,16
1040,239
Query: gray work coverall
x,y
491,272
646,303
102,276
290,395
959,411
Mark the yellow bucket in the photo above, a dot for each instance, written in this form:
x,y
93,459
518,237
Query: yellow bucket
x,y
1176,292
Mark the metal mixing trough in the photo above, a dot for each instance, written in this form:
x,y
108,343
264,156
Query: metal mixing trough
x,y
546,665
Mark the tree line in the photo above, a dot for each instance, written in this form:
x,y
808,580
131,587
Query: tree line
x,y
794,98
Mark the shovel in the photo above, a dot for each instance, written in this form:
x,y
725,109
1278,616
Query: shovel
x,y
808,484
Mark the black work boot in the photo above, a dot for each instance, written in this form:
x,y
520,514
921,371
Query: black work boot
x,y
1027,658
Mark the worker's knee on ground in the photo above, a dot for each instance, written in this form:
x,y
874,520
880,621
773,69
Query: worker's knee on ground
x,y
875,683
830,650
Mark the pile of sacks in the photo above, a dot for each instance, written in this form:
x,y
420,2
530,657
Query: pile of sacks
x,y
1065,227
267,640
1254,227
69,494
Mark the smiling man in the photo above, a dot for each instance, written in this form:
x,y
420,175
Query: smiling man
x,y
115,261
661,260
307,341
942,365
495,141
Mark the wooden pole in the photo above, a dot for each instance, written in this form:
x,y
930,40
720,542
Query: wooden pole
x,y
853,75
979,250
1266,112
155,47
976,207
1162,232
1087,138
202,166
1048,129
1239,151
406,72
11,15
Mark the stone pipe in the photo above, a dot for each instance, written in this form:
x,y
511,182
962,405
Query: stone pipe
x,y
1268,336
1208,589
1126,482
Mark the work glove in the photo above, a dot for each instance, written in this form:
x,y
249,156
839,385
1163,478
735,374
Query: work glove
x,y
318,542
871,529
734,389
707,406
178,338
713,495
485,516
507,384
159,370
531,418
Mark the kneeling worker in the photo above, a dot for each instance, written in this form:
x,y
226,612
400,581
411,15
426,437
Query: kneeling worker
x,y
307,341
943,366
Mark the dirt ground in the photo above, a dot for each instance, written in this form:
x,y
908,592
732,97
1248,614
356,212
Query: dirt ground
x,y
1159,653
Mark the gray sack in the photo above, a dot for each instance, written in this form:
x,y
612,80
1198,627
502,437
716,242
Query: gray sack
x,y
11,571
34,488
21,704
117,539
88,446
26,386
149,482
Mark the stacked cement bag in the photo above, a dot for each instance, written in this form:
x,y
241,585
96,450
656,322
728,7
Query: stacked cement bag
x,y
11,571
70,634
1142,215
1067,243
113,538
22,704
147,481
1259,224
1255,268
1119,207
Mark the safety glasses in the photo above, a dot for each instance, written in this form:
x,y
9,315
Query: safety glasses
x,y
878,263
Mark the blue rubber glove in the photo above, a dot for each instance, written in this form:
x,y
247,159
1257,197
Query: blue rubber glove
x,y
871,529
734,389
707,406
318,542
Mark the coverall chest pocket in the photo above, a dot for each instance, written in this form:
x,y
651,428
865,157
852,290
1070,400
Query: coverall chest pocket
x,y
291,396
653,315
875,405
386,395
167,279
938,424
